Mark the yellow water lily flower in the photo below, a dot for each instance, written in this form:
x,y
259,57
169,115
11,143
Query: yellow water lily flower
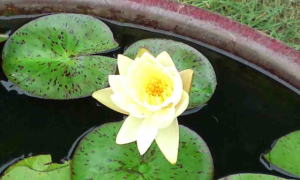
x,y
153,94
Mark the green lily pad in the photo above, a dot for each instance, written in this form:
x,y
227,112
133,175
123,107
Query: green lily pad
x,y
99,157
52,56
285,154
38,168
3,37
184,57
251,176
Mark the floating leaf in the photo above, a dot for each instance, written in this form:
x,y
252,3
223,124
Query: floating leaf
x,y
285,154
3,37
52,56
99,157
38,168
184,57
251,176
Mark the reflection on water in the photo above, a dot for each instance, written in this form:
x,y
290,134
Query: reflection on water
x,y
9,86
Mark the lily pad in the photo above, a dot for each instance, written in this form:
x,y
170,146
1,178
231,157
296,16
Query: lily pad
x,y
53,56
3,37
38,168
99,157
184,57
251,176
285,155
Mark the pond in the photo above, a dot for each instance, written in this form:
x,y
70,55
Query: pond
x,y
247,113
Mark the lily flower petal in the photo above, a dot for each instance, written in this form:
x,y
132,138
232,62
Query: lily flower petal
x,y
104,96
141,51
129,130
164,117
128,105
116,83
123,94
187,76
165,59
146,134
183,103
178,86
167,140
148,57
123,64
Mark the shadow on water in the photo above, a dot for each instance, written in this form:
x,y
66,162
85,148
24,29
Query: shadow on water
x,y
247,112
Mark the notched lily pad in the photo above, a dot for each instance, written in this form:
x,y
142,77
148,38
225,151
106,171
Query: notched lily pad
x,y
184,57
38,168
251,176
99,157
284,156
52,56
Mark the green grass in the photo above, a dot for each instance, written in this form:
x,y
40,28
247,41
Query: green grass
x,y
277,18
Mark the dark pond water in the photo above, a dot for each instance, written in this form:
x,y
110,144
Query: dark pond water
x,y
248,111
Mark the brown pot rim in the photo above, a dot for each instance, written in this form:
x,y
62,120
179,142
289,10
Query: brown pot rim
x,y
281,61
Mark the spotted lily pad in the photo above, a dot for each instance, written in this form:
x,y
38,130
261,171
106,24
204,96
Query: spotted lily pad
x,y
3,37
285,155
99,157
38,168
251,176
54,57
184,57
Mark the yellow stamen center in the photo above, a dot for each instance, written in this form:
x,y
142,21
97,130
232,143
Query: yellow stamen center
x,y
151,84
158,89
